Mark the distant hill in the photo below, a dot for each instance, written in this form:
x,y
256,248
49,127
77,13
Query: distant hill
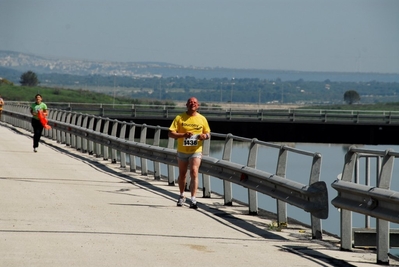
x,y
13,64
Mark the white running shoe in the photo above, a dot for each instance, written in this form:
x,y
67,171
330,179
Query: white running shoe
x,y
181,201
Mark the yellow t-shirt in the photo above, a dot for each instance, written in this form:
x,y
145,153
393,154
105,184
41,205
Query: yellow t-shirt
x,y
197,124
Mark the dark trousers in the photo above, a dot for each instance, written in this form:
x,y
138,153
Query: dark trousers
x,y
37,132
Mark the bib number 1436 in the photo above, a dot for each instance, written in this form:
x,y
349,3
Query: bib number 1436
x,y
192,141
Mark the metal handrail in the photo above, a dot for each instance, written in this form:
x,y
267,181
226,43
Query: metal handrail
x,y
378,200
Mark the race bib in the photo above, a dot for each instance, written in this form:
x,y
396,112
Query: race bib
x,y
192,141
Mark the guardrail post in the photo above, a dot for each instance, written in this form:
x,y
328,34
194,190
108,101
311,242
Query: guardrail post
x,y
143,139
134,114
114,157
228,114
357,118
281,171
315,177
325,117
206,178
291,115
56,134
97,146
260,115
122,135
78,138
73,137
28,124
105,131
384,181
382,241
12,120
389,118
68,136
52,133
251,162
346,215
84,140
62,134
90,147
227,186
367,182
171,169
132,158
157,164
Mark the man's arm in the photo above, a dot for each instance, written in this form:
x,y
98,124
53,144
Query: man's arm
x,y
176,135
204,136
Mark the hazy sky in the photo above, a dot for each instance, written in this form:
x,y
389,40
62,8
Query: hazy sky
x,y
304,35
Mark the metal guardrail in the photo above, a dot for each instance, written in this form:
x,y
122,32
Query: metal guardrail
x,y
290,115
377,201
97,135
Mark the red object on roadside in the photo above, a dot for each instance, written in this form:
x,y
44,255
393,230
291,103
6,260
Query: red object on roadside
x,y
43,120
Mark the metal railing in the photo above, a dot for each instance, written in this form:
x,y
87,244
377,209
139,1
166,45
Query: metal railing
x,y
99,135
291,115
377,200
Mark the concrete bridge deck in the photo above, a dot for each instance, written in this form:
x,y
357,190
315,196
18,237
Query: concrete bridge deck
x,y
60,207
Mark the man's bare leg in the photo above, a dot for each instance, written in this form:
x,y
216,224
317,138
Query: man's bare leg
x,y
183,165
194,167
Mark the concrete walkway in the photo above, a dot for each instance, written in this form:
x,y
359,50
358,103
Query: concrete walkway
x,y
60,207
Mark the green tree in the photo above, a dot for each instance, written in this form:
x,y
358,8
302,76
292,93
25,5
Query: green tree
x,y
29,78
351,97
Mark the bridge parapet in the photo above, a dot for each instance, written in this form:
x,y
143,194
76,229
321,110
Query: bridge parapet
x,y
125,111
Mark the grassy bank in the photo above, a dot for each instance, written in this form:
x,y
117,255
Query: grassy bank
x,y
25,93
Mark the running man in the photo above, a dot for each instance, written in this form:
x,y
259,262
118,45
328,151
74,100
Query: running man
x,y
190,129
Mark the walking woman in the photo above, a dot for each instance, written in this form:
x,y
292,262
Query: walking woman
x,y
35,107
